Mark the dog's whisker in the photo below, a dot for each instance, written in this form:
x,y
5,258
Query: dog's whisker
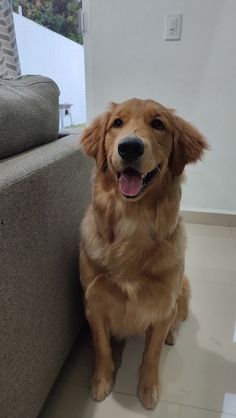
x,y
158,168
105,164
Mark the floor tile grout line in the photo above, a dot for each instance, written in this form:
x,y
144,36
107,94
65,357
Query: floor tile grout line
x,y
163,401
197,407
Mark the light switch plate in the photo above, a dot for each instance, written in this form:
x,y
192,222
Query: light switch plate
x,y
173,27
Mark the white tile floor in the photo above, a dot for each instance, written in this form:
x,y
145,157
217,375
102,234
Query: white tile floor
x,y
198,374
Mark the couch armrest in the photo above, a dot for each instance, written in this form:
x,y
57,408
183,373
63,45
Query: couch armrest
x,y
43,195
14,168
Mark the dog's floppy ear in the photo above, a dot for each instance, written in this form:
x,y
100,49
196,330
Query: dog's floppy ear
x,y
188,145
92,139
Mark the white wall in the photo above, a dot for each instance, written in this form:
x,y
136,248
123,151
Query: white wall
x,y
126,56
44,52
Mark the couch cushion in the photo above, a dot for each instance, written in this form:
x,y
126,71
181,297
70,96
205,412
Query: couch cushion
x,y
29,113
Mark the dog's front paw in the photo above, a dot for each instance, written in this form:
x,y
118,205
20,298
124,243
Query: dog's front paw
x,y
149,396
100,388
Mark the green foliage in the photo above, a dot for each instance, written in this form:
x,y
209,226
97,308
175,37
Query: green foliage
x,y
61,16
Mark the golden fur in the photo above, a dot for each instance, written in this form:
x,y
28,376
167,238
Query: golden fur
x,y
132,252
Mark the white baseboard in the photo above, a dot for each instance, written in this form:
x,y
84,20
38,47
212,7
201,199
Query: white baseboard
x,y
209,217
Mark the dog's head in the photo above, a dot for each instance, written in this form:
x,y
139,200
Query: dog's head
x,y
139,142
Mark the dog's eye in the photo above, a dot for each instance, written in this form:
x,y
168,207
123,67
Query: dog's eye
x,y
157,124
118,123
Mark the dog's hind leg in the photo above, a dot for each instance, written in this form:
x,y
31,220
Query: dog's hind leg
x,y
182,313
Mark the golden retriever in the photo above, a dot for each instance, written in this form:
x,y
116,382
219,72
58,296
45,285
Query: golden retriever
x,y
133,241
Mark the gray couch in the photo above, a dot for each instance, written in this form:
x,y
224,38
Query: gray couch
x,y
43,195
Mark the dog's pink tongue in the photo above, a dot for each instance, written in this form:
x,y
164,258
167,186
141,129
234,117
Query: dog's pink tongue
x,y
130,185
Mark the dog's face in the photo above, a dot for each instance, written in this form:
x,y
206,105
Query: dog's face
x,y
138,145
139,141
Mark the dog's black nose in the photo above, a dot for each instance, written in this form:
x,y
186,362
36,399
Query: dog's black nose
x,y
130,148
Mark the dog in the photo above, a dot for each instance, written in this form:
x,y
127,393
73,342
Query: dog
x,y
132,238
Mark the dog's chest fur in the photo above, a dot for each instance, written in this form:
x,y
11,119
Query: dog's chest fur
x,y
128,228
133,237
